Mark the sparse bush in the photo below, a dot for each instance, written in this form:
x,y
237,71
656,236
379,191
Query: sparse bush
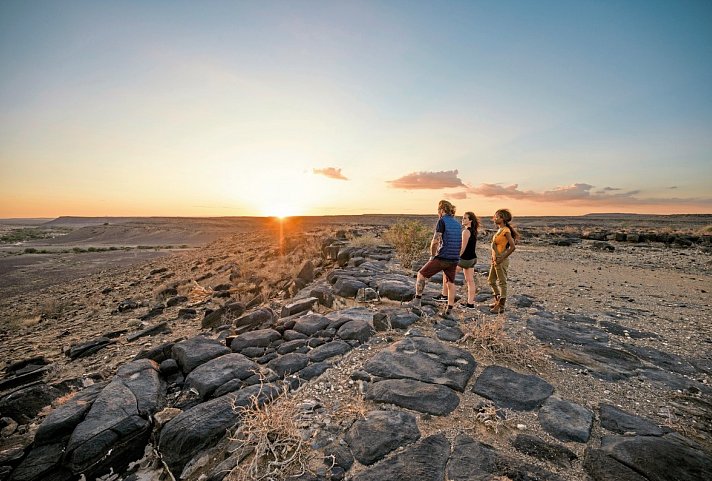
x,y
78,250
24,234
489,336
30,250
410,239
367,240
271,433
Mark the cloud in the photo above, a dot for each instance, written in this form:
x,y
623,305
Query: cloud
x,y
457,195
427,180
330,172
579,193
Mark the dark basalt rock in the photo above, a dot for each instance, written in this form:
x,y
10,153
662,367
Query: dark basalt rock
x,y
602,467
24,403
62,421
565,332
604,362
311,324
380,432
537,447
298,306
330,349
288,364
202,426
259,338
423,359
43,464
669,457
425,461
622,422
116,428
88,348
348,287
509,389
208,377
263,315
356,330
396,289
416,395
158,353
195,351
566,421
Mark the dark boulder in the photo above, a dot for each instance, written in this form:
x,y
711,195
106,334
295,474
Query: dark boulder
x,y
424,461
566,421
380,432
416,395
208,377
509,389
195,351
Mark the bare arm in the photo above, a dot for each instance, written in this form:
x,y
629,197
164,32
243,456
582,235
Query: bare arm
x,y
435,243
511,247
465,239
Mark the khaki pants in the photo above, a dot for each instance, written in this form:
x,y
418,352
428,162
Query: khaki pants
x,y
497,275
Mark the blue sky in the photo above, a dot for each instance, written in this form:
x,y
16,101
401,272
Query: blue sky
x,y
255,108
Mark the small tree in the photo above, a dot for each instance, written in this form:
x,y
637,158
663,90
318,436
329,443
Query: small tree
x,y
411,240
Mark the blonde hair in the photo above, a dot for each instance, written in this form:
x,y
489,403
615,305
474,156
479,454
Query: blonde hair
x,y
446,207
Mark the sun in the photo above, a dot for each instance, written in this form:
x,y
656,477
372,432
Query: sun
x,y
281,211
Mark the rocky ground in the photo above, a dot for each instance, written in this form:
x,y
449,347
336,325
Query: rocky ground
x,y
603,353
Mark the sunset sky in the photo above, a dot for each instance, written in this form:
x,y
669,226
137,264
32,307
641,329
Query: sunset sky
x,y
210,108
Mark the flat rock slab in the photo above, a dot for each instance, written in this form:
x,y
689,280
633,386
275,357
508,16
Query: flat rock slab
x,y
472,460
566,421
88,348
311,324
602,467
258,338
348,287
509,389
208,377
424,359
328,350
607,363
43,464
356,330
622,422
538,448
665,458
195,351
394,318
288,364
298,306
380,432
425,461
556,331
416,395
396,289
663,360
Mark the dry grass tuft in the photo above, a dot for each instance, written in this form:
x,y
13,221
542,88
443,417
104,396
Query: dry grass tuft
x,y
271,433
367,240
355,408
497,346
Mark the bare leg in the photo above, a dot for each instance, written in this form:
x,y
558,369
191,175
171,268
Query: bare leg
x,y
420,284
451,289
471,287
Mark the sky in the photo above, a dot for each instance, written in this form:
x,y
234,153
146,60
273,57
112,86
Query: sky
x,y
211,108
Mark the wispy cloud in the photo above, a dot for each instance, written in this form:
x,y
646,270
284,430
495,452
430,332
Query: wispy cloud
x,y
331,172
579,193
456,195
427,180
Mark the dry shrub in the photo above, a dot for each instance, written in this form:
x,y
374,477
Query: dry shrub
x,y
52,308
488,416
366,240
273,436
355,408
410,239
497,346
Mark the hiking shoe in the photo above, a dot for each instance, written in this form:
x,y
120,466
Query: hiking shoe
x,y
469,307
415,306
440,298
448,314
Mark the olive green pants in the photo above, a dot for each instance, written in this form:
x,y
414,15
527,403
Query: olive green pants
x,y
498,275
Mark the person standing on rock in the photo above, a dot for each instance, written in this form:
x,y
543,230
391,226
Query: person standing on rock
x,y
445,254
502,247
468,259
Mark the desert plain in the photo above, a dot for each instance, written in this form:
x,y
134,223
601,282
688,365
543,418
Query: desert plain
x,y
85,296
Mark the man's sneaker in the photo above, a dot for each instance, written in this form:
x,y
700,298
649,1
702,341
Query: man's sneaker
x,y
440,298
415,306
469,307
448,314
